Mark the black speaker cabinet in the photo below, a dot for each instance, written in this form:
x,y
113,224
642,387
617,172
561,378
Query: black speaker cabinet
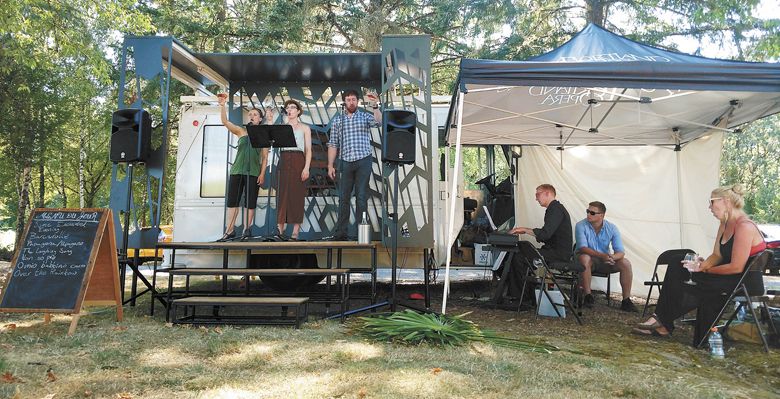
x,y
131,135
400,131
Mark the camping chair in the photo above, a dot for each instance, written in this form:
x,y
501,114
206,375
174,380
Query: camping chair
x,y
541,271
668,257
746,294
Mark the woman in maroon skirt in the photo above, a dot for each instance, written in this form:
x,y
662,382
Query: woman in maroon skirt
x,y
293,172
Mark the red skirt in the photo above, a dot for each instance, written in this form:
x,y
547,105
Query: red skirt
x,y
292,191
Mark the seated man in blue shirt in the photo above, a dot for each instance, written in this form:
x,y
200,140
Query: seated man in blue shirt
x,y
594,236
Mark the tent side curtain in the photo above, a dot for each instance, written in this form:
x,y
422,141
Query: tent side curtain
x,y
726,76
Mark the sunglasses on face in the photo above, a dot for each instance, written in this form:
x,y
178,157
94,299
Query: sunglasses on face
x,y
591,213
712,200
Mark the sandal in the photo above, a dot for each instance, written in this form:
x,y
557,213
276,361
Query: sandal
x,y
247,234
652,326
649,327
650,333
227,236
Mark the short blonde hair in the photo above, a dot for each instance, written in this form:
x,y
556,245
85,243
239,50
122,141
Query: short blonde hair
x,y
547,187
734,193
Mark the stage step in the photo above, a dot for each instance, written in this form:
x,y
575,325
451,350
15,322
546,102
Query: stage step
x,y
300,308
199,271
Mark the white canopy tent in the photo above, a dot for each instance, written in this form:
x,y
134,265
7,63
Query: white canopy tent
x,y
605,118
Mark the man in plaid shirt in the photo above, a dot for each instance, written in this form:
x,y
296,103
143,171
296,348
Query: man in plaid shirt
x,y
350,141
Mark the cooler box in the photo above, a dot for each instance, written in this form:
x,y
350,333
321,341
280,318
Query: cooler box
x,y
546,308
482,255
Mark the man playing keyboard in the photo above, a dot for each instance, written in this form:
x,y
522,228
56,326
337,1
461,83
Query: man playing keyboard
x,y
556,235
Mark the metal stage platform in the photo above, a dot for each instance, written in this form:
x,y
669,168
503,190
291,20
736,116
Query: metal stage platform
x,y
262,247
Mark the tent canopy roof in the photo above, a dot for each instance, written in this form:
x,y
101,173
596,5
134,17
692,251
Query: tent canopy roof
x,y
603,89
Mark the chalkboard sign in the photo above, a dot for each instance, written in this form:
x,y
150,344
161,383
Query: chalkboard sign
x,y
66,257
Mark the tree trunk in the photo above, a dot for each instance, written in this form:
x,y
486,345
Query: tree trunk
x,y
82,161
63,190
24,202
41,181
596,11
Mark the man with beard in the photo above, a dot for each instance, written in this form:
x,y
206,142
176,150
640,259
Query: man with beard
x,y
350,142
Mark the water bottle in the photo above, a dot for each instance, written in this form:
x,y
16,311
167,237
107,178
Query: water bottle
x,y
716,344
741,313
364,231
538,268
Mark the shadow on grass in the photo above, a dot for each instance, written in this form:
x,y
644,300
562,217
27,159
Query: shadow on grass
x,y
144,357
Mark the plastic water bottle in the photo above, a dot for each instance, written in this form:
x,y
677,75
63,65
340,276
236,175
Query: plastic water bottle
x,y
716,344
742,313
538,268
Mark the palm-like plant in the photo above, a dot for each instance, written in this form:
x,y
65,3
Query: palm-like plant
x,y
410,327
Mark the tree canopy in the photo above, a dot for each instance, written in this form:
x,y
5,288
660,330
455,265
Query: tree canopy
x,y
59,67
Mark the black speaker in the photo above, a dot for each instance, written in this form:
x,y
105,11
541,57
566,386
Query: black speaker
x,y
131,135
398,143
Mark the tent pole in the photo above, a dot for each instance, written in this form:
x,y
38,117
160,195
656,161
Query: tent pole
x,y
679,199
453,194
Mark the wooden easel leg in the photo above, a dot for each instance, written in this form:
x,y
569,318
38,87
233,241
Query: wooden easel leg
x,y
73,323
46,318
119,312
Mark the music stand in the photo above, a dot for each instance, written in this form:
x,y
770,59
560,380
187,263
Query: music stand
x,y
271,136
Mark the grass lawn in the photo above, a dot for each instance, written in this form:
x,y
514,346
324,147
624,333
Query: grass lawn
x,y
143,357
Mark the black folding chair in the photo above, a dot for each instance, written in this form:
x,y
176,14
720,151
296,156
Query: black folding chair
x,y
594,273
748,290
668,257
540,271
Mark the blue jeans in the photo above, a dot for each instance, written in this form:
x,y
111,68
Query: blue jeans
x,y
354,176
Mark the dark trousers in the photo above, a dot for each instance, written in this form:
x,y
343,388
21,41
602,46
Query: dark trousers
x,y
707,297
354,177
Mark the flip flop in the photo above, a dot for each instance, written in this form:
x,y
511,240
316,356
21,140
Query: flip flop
x,y
649,333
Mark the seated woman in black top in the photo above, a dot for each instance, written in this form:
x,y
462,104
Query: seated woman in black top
x,y
738,238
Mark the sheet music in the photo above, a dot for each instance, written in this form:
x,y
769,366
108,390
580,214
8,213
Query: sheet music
x,y
490,218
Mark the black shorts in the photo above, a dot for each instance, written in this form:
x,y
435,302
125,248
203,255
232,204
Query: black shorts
x,y
237,188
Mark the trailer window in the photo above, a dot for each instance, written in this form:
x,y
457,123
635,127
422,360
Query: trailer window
x,y
213,164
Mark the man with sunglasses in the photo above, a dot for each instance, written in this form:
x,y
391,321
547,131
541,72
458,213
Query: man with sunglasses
x,y
594,237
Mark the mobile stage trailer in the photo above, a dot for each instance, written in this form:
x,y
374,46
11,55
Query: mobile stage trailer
x,y
400,73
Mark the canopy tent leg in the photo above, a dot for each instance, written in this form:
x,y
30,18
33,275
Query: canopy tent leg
x,y
453,198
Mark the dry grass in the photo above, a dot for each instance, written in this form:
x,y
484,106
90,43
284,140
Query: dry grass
x,y
144,358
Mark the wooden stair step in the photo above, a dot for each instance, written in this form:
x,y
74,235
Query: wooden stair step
x,y
254,272
241,300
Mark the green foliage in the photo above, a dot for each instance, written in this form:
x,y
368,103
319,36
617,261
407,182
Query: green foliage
x,y
750,158
59,77
409,327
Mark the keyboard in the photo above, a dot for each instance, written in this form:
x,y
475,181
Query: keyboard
x,y
499,239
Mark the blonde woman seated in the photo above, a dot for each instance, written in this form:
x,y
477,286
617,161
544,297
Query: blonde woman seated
x,y
738,238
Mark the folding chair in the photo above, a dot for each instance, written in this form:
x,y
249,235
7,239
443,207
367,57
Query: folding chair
x,y
541,271
608,276
746,294
569,273
668,257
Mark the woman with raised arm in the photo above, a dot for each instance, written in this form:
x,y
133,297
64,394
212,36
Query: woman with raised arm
x,y
737,239
246,174
293,173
